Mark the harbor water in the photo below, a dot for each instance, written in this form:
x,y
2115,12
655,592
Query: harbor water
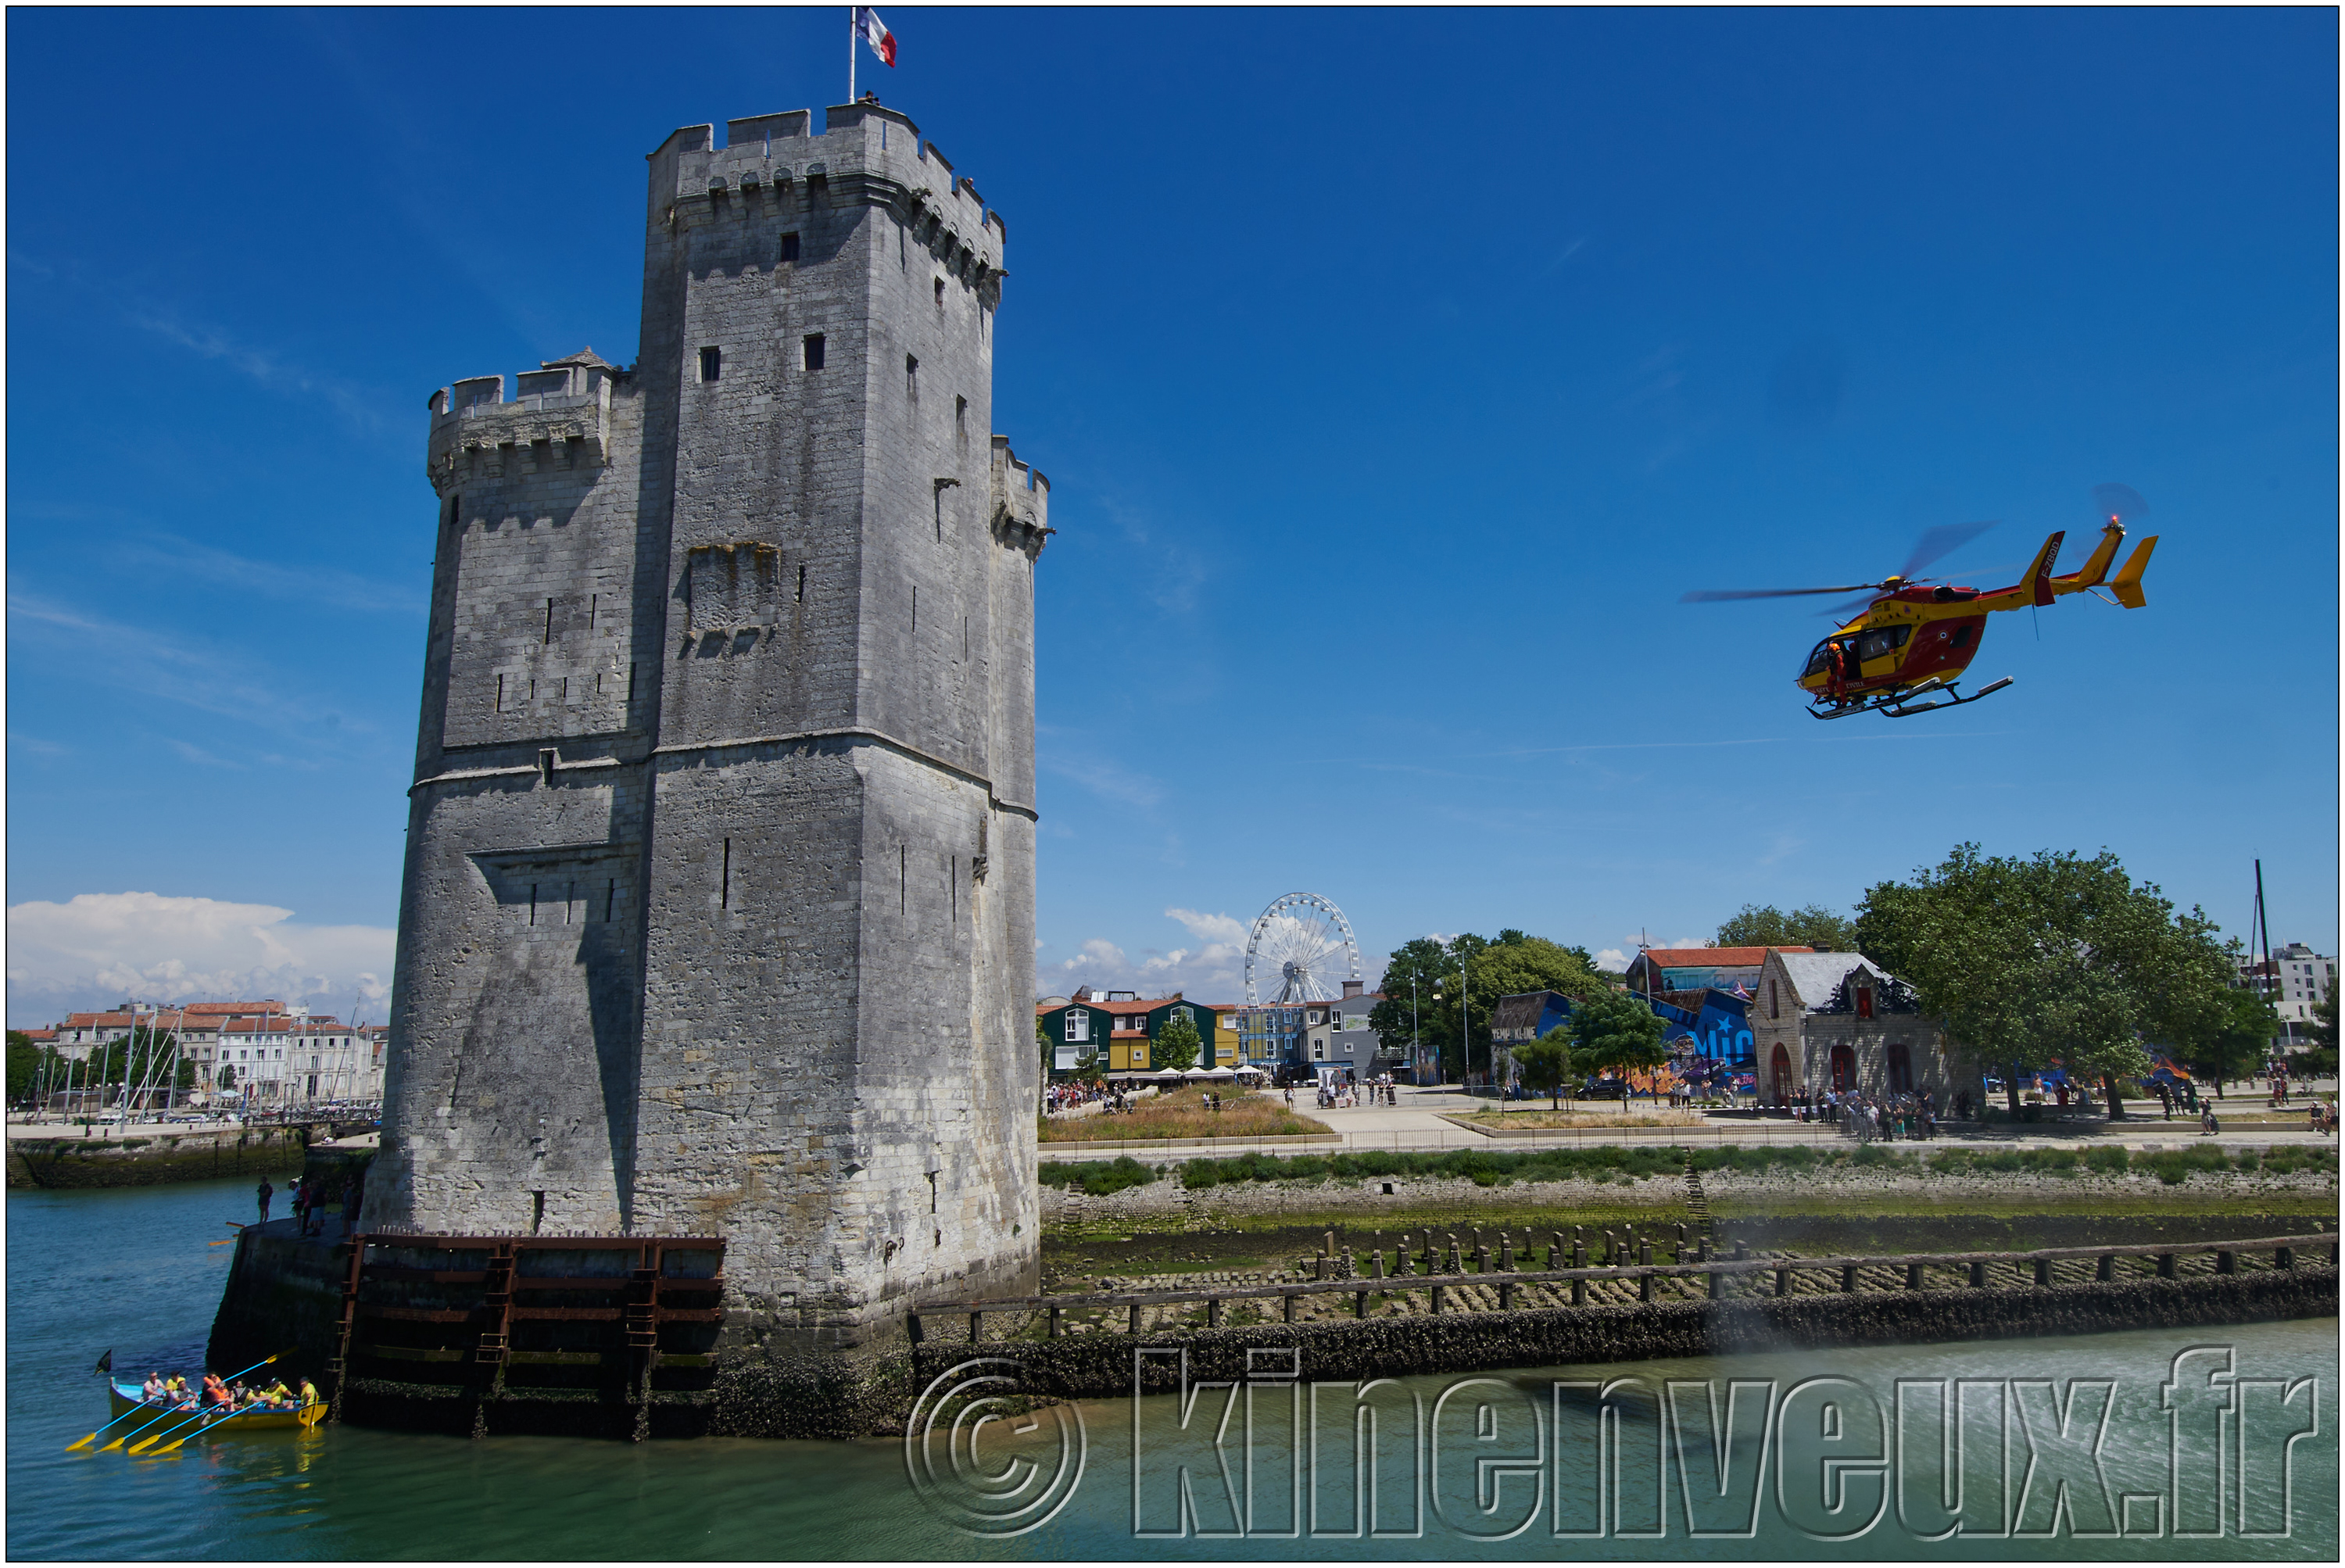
x,y
1765,1455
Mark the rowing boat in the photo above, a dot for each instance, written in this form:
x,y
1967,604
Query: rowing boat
x,y
125,1399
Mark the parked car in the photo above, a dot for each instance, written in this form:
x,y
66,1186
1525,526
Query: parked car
x,y
1605,1089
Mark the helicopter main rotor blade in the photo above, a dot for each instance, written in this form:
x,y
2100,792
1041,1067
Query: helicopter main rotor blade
x,y
1848,607
1940,541
1715,596
2122,501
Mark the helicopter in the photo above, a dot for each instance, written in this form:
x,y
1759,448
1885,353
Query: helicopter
x,y
1912,637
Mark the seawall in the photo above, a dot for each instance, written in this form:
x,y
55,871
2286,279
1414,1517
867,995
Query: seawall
x,y
277,1153
1100,1366
285,1294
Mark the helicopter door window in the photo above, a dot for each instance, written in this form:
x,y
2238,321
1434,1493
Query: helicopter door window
x,y
1881,642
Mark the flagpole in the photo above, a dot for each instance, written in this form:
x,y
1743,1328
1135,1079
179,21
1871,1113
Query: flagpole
x,y
850,54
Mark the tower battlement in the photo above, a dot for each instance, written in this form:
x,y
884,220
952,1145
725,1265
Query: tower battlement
x,y
561,402
865,154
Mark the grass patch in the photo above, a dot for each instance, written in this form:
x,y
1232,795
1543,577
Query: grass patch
x,y
1483,1167
1097,1177
1183,1115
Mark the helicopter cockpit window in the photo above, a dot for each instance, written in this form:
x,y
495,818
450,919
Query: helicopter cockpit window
x,y
1819,661
1881,642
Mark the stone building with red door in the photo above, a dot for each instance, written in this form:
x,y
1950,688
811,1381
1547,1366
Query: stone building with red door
x,y
1826,1021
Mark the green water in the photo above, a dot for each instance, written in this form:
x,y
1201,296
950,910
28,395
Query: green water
x,y
129,1270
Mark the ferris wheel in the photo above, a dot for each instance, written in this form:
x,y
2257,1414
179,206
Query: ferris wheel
x,y
1298,948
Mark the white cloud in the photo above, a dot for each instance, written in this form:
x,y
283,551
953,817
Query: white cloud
x,y
309,583
96,949
1612,960
1108,780
260,365
1213,928
176,670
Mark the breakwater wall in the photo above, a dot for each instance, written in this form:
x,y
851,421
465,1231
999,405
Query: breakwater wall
x,y
1101,1366
287,1293
278,1153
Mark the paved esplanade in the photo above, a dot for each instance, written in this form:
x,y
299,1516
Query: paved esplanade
x,y
1420,1124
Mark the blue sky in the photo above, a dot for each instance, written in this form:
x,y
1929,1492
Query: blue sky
x,y
1394,372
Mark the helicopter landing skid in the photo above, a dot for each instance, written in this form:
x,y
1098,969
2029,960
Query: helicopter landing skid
x,y
1893,706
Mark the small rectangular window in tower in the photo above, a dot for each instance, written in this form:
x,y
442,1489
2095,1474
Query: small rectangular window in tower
x,y
911,376
532,904
547,636
610,897
940,293
545,767
916,611
790,247
712,363
960,417
814,350
801,585
725,883
501,693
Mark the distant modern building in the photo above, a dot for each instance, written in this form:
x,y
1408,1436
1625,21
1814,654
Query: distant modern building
x,y
1660,969
1837,1021
2292,980
1336,1042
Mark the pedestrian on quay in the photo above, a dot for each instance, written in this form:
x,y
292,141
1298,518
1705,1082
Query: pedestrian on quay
x,y
266,1192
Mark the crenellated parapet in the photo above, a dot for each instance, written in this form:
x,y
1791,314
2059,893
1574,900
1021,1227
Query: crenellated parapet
x,y
559,418
1021,508
868,155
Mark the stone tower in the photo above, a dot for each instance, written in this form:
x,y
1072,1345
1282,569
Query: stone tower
x,y
719,909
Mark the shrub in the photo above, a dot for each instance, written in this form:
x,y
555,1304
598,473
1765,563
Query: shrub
x,y
1097,1177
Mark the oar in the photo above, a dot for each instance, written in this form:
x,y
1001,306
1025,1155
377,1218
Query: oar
x,y
205,1427
133,1410
192,1405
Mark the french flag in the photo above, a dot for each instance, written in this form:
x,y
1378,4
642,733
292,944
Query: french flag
x,y
874,32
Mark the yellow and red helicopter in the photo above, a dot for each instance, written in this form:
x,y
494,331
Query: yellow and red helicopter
x,y
1914,636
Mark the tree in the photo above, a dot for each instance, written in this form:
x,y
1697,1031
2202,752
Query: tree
x,y
1764,925
228,1077
1615,1032
2052,958
2322,1060
1176,1046
1547,1063
26,1058
1513,964
2241,1037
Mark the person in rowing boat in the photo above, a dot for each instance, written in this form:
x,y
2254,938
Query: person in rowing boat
x,y
216,1392
151,1390
175,1388
310,1393
277,1396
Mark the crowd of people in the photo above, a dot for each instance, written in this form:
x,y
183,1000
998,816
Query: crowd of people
x,y
1346,1093
1867,1117
309,1194
1061,1098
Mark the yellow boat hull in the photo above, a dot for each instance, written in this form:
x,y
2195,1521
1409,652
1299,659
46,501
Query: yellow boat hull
x,y
125,1401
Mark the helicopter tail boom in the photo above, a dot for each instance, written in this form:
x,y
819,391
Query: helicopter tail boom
x,y
2127,585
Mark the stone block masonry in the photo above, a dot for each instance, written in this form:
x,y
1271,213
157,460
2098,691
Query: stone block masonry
x,y
718,906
